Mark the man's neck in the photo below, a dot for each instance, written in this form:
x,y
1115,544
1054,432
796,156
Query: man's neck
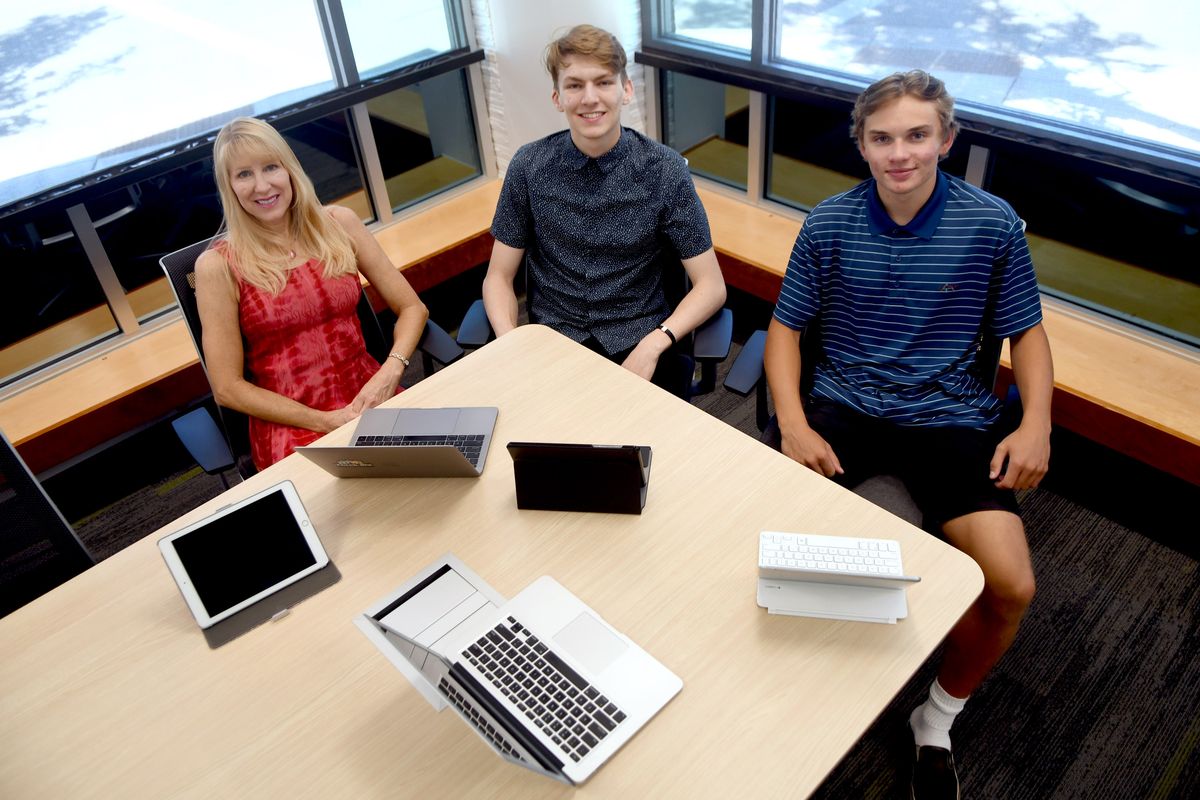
x,y
903,208
594,148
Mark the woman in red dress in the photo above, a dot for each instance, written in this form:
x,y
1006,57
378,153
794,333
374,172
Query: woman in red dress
x,y
277,299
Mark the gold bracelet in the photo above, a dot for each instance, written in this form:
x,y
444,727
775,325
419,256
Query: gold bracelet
x,y
399,358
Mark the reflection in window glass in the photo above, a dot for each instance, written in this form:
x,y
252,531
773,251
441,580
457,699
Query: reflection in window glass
x,y
52,304
386,35
812,154
425,135
141,223
325,149
1115,67
138,77
719,22
1143,269
708,123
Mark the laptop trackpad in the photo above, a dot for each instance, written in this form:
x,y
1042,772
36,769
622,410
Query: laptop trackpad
x,y
590,643
427,421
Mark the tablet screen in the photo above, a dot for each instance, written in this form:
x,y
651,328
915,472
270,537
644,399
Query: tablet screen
x,y
247,551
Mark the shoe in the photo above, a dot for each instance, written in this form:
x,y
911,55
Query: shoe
x,y
934,776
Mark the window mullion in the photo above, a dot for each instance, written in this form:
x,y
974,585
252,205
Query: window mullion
x,y
114,293
757,148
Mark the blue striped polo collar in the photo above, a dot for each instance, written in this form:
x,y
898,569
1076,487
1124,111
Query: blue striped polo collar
x,y
924,225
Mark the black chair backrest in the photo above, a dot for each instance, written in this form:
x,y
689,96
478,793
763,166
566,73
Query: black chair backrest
x,y
180,268
378,343
38,549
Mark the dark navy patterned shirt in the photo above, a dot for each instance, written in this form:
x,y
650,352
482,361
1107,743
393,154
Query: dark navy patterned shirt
x,y
598,231
903,308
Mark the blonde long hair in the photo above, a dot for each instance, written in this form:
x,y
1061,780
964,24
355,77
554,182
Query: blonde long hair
x,y
252,251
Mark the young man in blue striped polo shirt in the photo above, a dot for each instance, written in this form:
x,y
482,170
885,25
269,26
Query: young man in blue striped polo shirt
x,y
904,275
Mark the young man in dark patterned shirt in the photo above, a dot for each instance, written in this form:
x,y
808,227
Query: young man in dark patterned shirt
x,y
596,211
904,275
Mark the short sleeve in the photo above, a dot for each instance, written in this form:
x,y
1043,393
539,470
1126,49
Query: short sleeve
x,y
800,297
1018,302
683,220
513,222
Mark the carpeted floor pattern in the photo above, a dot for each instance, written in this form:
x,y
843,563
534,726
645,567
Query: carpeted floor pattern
x,y
1099,696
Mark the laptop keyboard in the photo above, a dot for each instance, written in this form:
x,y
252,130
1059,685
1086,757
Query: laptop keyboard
x,y
480,722
469,445
544,688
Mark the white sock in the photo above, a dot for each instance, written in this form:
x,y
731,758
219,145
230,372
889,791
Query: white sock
x,y
931,721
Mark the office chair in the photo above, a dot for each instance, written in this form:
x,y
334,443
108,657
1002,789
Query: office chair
x,y
707,346
38,549
217,445
747,374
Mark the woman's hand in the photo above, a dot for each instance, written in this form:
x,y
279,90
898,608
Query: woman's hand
x,y
380,387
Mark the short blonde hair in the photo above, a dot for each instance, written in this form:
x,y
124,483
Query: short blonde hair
x,y
915,83
255,257
586,41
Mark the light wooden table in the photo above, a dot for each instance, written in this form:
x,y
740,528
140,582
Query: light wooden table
x,y
107,688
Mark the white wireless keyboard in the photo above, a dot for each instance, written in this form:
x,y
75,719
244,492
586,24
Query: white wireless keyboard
x,y
831,559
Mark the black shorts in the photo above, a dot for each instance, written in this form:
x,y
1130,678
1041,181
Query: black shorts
x,y
945,469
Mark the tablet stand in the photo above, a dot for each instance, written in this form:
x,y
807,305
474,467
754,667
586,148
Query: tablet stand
x,y
603,485
270,606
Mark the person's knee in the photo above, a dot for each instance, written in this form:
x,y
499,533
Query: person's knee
x,y
1009,595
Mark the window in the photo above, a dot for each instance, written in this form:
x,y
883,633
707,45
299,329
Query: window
x,y
115,72
811,155
708,123
426,138
52,300
724,23
386,34
1113,69
1117,241
372,96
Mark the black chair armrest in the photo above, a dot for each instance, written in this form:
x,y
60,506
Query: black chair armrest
x,y
475,330
747,369
438,345
712,339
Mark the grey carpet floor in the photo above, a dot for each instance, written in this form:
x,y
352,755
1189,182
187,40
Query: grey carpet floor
x,y
1098,698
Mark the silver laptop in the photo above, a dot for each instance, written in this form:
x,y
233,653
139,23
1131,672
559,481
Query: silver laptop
x,y
411,443
542,678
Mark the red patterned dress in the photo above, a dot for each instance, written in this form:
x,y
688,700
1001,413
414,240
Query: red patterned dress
x,y
305,343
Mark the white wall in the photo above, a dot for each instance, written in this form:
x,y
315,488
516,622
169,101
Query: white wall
x,y
514,35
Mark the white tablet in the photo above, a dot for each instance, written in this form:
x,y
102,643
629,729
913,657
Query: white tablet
x,y
243,553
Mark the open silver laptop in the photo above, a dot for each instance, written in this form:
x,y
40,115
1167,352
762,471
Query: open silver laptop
x,y
411,443
542,678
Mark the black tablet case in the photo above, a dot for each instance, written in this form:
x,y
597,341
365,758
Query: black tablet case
x,y
580,477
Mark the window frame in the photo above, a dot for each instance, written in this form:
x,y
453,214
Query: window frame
x,y
764,72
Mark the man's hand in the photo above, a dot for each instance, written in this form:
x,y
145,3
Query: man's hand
x,y
806,446
1027,450
643,359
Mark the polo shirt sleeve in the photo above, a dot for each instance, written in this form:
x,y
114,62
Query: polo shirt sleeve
x,y
513,222
683,220
800,298
1018,303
